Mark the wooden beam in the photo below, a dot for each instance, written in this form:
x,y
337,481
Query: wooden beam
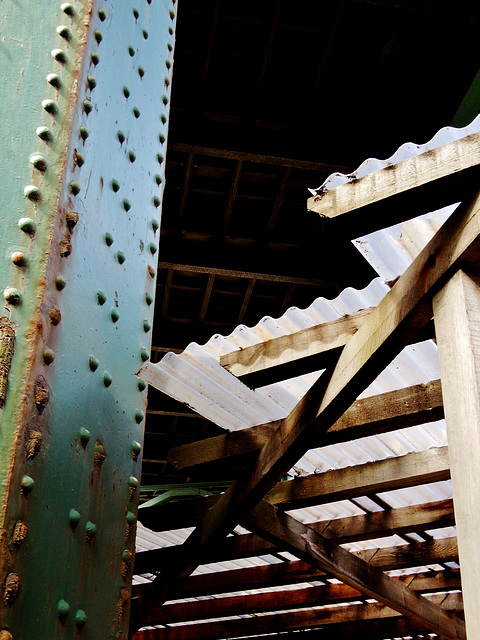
x,y
385,412
457,315
301,344
175,515
414,554
343,565
270,601
230,273
351,482
295,163
388,328
280,622
412,519
416,185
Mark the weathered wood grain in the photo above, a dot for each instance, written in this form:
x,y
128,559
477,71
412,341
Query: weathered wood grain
x,y
457,321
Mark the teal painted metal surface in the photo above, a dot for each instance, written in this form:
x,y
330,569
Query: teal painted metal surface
x,y
84,321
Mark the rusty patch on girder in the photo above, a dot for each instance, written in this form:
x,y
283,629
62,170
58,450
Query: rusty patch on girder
x,y
7,347
33,444
12,589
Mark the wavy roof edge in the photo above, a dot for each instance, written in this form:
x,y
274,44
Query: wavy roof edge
x,y
405,151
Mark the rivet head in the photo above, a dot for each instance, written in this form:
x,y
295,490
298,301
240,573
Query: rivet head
x,y
27,225
87,106
74,188
156,201
135,14
136,448
142,385
131,156
95,58
99,454
78,158
60,282
139,415
84,435
59,55
48,355
165,99
5,635
136,112
115,186
74,518
127,557
108,239
121,137
55,80
38,161
141,72
83,131
152,248
131,51
126,92
80,618
50,106
114,315
130,517
158,179
32,193
93,363
144,355
91,82
161,138
163,118
55,316
160,158
132,481
168,64
67,8
148,298
120,257
146,326
27,484
101,14
64,32
19,259
98,36
145,34
12,296
151,271
107,379
101,297
90,530
126,204
63,609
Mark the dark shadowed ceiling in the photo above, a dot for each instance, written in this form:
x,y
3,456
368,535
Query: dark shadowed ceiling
x,y
268,99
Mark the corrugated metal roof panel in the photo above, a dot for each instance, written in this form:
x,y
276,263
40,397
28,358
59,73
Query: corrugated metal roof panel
x,y
407,150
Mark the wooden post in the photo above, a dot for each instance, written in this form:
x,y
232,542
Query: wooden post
x,y
457,322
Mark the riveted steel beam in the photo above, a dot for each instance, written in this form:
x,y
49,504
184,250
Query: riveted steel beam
x,y
85,106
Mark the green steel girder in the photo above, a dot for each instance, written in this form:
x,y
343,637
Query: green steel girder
x,y
85,112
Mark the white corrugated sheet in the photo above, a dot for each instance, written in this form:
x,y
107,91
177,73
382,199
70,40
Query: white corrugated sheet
x,y
407,150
